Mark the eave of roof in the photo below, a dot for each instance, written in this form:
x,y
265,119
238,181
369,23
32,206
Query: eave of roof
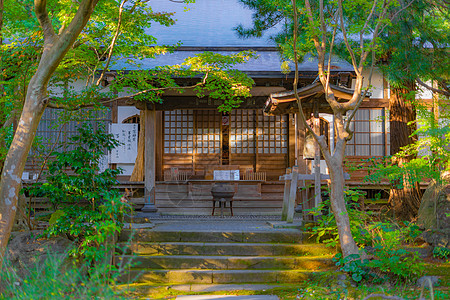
x,y
286,102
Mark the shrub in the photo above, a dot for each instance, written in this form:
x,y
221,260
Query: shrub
x,y
55,280
388,261
441,252
325,228
88,209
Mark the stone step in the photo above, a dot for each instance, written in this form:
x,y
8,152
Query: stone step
x,y
263,236
170,262
221,276
242,249
146,291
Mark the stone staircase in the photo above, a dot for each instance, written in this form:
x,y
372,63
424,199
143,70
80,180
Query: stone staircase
x,y
217,257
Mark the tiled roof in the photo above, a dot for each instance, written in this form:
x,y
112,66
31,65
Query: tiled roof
x,y
267,61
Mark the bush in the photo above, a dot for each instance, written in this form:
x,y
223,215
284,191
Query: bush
x,y
384,240
88,209
325,228
441,252
55,280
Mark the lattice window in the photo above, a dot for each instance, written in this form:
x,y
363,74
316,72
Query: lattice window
x,y
272,134
242,132
369,137
179,131
131,120
207,131
58,126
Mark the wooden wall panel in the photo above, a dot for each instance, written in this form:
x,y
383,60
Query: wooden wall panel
x,y
205,163
273,164
244,161
195,199
183,162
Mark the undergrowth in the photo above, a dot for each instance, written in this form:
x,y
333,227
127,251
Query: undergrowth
x,y
383,241
58,277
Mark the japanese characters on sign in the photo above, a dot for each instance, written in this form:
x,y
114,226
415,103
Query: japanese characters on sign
x,y
127,135
226,174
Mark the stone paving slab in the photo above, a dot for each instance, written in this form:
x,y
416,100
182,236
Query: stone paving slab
x,y
231,297
283,224
138,225
215,226
222,287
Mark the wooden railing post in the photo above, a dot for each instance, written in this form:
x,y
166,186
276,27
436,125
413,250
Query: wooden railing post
x,y
287,189
292,197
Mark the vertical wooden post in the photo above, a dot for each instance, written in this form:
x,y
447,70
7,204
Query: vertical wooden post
x,y
159,142
297,154
257,149
292,141
287,190
150,163
292,196
317,181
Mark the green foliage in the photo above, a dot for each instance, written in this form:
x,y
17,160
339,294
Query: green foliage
x,y
55,216
431,149
325,229
383,240
420,26
56,278
354,265
88,210
387,264
441,252
218,79
396,264
391,261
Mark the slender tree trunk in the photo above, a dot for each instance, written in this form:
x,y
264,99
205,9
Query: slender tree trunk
x,y
55,48
404,201
15,162
338,205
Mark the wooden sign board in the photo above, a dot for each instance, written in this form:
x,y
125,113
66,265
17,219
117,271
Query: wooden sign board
x,y
127,135
226,174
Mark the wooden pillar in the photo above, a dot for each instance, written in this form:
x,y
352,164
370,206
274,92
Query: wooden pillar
x,y
292,140
317,181
159,142
150,160
301,163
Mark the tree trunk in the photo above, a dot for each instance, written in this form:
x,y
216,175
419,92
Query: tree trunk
x,y
54,50
338,205
405,201
15,162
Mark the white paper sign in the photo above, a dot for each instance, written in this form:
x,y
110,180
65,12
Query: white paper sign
x,y
226,174
127,135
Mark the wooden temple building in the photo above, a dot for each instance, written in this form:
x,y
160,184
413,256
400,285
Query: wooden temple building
x,y
187,139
